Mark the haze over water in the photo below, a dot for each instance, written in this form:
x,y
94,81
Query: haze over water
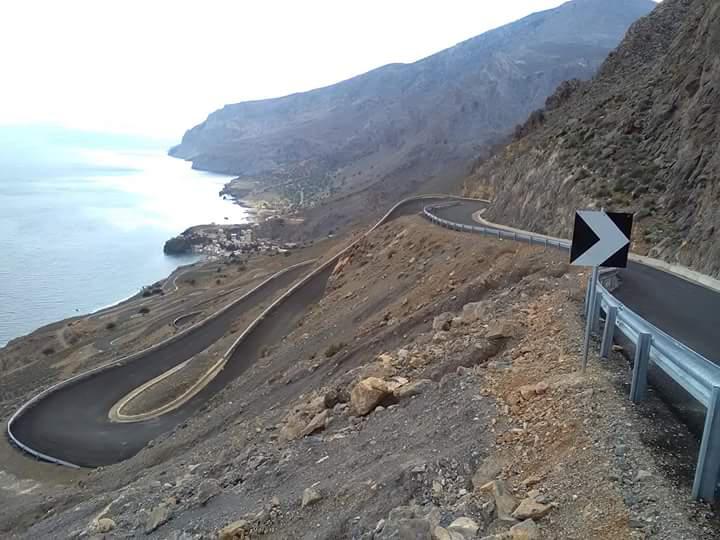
x,y
83,219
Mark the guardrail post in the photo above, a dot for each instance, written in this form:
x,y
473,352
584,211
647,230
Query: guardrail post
x,y
708,465
608,331
638,388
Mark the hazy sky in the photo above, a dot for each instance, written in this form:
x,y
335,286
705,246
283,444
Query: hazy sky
x,y
157,67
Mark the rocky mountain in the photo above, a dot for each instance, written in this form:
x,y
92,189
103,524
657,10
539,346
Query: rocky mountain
x,y
641,136
422,115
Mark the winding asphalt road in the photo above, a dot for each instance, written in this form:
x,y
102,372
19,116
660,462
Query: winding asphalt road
x,y
688,312
71,423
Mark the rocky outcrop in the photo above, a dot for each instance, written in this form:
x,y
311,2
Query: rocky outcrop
x,y
436,110
640,137
177,245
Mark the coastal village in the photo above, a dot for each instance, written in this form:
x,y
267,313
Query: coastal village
x,y
224,241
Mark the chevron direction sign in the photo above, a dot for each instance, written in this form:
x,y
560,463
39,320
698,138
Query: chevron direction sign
x,y
601,239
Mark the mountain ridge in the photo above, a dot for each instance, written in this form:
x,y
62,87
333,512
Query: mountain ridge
x,y
640,137
437,110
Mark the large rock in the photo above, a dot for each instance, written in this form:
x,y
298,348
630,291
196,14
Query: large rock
x,y
237,530
159,516
104,525
505,503
310,496
405,528
527,530
474,311
441,533
318,423
500,330
208,489
488,471
367,394
531,509
467,527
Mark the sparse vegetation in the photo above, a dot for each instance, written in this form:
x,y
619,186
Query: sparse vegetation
x,y
47,351
333,349
144,310
110,326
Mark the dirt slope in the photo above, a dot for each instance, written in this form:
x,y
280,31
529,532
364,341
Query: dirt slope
x,y
473,346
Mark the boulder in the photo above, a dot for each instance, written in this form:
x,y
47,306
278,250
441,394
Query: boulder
x,y
531,509
488,471
526,530
541,388
104,525
367,394
500,330
159,516
409,528
237,530
467,527
318,423
505,503
208,489
474,311
441,533
310,496
385,359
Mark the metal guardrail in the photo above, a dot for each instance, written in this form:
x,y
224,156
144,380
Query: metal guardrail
x,y
694,373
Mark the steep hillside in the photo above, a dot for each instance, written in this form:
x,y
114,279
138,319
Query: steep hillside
x,y
435,111
642,136
432,392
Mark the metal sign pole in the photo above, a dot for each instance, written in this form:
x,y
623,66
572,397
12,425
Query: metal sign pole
x,y
592,287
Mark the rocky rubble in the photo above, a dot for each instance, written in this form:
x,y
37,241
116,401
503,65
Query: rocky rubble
x,y
475,426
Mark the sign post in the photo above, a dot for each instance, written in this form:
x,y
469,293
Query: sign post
x,y
592,288
600,239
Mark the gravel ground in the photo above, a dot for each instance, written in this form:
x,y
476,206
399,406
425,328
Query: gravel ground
x,y
432,391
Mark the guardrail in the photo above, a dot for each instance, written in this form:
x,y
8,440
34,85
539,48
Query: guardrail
x,y
694,373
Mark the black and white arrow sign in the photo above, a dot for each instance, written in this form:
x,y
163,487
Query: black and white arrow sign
x,y
601,239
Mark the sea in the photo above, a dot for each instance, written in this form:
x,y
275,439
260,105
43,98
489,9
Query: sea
x,y
83,220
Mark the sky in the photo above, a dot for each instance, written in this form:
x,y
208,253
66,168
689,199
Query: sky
x,y
157,67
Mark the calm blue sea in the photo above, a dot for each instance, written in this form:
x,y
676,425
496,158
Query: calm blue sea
x,y
83,220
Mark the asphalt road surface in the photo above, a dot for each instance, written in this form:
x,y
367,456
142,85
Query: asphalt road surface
x,y
72,422
688,312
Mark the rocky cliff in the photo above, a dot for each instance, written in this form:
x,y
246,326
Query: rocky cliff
x,y
442,108
641,136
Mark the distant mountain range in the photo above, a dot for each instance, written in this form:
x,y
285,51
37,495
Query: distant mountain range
x,y
410,121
